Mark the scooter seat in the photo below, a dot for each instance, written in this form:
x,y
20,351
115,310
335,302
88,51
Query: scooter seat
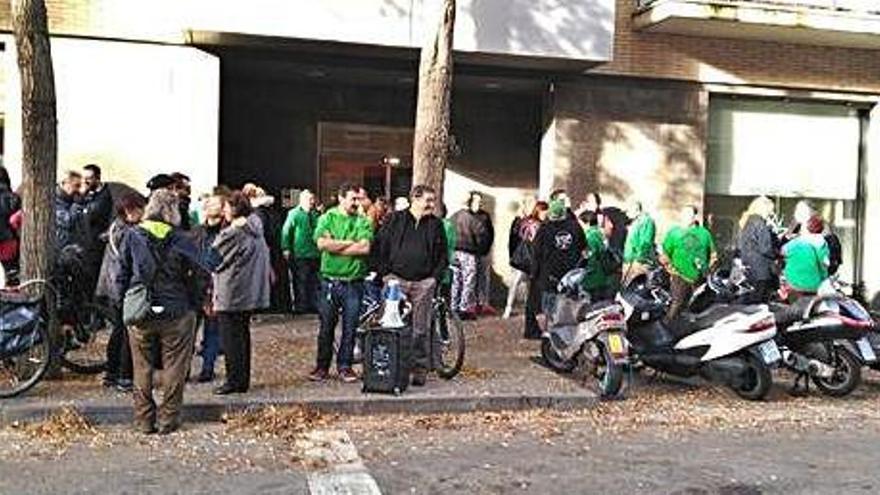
x,y
689,323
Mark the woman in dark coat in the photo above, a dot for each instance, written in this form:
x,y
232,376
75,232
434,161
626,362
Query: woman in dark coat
x,y
757,245
129,213
241,286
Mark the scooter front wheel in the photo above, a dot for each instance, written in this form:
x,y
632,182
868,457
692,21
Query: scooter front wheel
x,y
553,359
756,379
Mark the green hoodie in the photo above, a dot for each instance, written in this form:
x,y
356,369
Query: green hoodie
x,y
159,230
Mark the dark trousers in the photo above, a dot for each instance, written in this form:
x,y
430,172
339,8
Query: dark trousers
x,y
235,335
210,343
533,309
761,294
680,292
119,365
307,285
345,297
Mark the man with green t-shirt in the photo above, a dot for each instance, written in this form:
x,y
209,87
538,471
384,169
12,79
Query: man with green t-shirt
x,y
599,280
639,250
301,252
688,253
343,237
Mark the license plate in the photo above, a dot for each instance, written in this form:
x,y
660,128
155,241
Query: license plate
x,y
770,352
615,344
866,350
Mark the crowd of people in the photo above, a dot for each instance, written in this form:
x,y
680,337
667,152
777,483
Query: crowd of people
x,y
211,265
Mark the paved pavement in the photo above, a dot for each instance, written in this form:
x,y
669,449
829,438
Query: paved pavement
x,y
501,372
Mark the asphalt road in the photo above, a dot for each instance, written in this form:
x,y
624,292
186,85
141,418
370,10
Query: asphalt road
x,y
464,459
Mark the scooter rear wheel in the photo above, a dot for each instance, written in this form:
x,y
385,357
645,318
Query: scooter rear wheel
x,y
756,380
554,360
847,372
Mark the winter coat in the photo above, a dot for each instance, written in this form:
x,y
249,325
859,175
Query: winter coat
x,y
110,263
475,232
242,279
69,222
97,211
158,256
757,247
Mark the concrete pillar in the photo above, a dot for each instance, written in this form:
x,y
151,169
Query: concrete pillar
x,y
871,238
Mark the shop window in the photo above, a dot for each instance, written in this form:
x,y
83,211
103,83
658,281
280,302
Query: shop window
x,y
788,151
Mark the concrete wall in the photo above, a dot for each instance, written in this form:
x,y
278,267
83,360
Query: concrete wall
x,y
629,140
135,109
871,261
581,30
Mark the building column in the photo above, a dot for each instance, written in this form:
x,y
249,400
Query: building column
x,y
871,232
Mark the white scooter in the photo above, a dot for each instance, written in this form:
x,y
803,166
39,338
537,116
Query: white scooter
x,y
726,343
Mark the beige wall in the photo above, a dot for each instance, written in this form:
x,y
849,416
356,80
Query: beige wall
x,y
135,109
629,140
581,30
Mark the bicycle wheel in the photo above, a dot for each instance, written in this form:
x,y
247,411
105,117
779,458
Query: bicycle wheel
x,y
448,332
85,343
22,371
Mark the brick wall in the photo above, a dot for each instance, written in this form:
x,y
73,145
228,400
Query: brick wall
x,y
717,60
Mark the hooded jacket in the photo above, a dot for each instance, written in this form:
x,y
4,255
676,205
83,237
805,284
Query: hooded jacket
x,y
242,279
157,255
475,232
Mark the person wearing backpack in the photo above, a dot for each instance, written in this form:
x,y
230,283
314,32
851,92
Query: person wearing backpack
x,y
160,283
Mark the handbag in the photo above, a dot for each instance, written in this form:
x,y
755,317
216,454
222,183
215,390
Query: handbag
x,y
523,257
137,303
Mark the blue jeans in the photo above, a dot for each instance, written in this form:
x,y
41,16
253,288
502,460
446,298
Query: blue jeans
x,y
336,296
210,343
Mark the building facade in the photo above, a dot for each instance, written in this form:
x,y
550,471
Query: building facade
x,y
671,102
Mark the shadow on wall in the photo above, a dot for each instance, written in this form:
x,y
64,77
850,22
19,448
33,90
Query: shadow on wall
x,y
657,164
542,26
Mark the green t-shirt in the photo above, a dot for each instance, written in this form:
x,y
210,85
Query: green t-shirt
x,y
298,234
690,251
451,242
343,227
639,245
596,277
806,262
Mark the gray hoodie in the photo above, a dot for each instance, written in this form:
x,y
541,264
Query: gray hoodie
x,y
242,280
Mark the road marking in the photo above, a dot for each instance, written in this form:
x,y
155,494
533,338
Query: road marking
x,y
338,468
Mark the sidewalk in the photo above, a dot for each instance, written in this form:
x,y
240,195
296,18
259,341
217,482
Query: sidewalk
x,y
501,373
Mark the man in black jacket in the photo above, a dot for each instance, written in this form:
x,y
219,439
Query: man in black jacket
x,y
97,205
411,248
475,237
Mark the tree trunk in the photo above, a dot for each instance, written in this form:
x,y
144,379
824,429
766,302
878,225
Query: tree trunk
x,y
432,140
39,147
39,139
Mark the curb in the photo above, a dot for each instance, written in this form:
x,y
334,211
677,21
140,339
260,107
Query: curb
x,y
207,412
